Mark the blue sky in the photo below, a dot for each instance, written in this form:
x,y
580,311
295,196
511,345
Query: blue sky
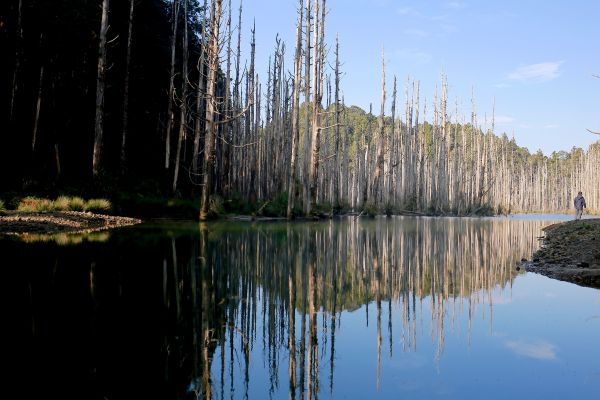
x,y
536,58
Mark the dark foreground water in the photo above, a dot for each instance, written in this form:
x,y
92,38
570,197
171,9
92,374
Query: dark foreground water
x,y
354,309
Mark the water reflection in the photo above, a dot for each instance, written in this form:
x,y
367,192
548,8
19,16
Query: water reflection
x,y
284,289
248,311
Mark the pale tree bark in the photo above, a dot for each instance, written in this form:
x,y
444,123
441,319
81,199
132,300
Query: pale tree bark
x,y
210,126
338,167
365,161
171,94
18,44
125,117
183,106
200,91
238,155
99,125
377,192
317,79
295,112
227,129
307,75
252,86
38,106
393,155
345,170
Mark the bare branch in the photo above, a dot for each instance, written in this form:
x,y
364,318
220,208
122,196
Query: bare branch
x,y
331,126
234,117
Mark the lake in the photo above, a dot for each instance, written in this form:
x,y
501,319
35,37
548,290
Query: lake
x,y
401,307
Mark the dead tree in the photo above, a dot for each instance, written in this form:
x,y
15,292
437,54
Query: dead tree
x,y
295,113
307,74
210,126
38,104
377,192
171,94
183,105
336,121
18,44
99,125
201,88
317,84
125,118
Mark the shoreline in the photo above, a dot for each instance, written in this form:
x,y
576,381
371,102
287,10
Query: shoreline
x,y
570,252
19,223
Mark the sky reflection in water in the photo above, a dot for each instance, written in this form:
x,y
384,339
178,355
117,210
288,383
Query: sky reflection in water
x,y
386,308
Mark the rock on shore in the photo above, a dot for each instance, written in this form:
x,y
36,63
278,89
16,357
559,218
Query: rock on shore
x,y
570,252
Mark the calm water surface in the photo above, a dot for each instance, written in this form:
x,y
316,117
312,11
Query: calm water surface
x,y
414,308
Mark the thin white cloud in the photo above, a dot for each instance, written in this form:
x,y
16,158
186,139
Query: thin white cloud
x,y
551,126
541,72
406,11
416,32
378,3
440,18
503,119
449,28
413,55
540,350
455,4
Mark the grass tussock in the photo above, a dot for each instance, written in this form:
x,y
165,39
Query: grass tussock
x,y
97,205
36,204
63,203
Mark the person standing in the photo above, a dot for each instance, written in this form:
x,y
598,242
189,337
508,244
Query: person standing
x,y
579,205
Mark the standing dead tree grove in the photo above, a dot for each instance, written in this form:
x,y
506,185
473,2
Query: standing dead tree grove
x,y
282,144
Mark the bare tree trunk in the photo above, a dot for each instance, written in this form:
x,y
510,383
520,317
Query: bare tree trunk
x,y
250,92
125,118
239,155
201,89
337,169
37,108
393,156
377,192
99,126
18,45
345,170
317,80
365,169
295,112
210,129
307,73
170,111
227,128
183,106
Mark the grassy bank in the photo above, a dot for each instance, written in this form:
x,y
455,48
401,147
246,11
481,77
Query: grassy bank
x,y
149,206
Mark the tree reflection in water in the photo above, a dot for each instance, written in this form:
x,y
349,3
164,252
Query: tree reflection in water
x,y
226,310
257,280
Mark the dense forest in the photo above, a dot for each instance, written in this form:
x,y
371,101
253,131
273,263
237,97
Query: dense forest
x,y
155,98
